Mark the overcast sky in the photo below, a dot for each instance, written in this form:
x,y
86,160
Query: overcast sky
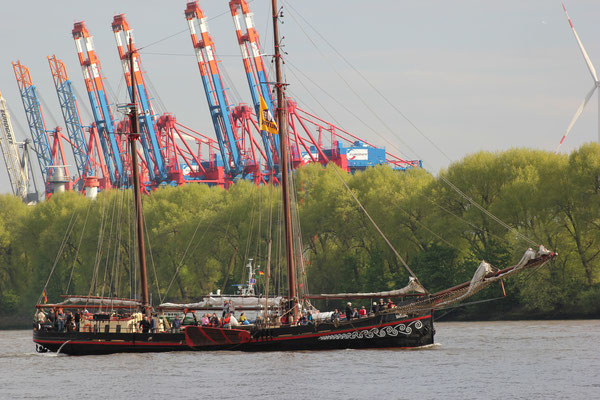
x,y
470,75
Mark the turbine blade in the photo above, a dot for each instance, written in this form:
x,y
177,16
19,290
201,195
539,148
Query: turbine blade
x,y
576,116
585,55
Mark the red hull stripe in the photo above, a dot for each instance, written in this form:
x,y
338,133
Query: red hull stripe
x,y
225,336
205,335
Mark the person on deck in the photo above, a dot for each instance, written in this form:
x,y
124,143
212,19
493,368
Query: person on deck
x,y
374,308
348,311
176,324
335,315
52,318
214,320
226,321
41,317
243,320
302,319
309,318
355,314
60,319
77,317
231,307
145,325
70,323
362,312
390,304
153,325
381,305
225,309
205,320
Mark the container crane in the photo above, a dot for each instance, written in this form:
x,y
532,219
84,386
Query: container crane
x,y
346,150
254,67
17,164
52,160
114,155
86,167
151,143
213,87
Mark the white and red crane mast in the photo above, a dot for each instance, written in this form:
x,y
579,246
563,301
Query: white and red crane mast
x,y
115,154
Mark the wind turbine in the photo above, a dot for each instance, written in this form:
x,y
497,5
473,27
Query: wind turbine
x,y
589,94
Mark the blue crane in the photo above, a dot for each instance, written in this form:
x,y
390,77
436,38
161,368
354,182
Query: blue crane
x,y
254,67
90,65
70,111
35,119
215,94
151,144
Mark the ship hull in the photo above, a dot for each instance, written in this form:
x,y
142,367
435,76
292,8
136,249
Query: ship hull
x,y
90,343
379,331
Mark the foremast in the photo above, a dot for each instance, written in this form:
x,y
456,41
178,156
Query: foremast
x,y
282,124
133,136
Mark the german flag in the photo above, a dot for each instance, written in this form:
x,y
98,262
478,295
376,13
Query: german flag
x,y
261,273
45,297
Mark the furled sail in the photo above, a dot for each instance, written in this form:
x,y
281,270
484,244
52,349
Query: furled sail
x,y
249,302
414,286
484,276
102,301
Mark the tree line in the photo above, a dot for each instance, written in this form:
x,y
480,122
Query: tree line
x,y
200,238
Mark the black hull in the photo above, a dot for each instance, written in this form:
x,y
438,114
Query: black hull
x,y
380,331
90,343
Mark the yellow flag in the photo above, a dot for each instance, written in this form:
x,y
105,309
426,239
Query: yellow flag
x,y
266,119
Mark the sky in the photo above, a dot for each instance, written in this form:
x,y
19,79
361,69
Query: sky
x,y
429,80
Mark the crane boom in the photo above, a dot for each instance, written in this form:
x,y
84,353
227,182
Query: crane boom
x,y
254,67
150,139
70,111
114,155
213,87
17,170
35,119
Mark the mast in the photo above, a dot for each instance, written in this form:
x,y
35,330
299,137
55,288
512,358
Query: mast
x,y
132,137
281,122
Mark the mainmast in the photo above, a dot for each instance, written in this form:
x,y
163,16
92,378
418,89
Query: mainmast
x,y
133,136
281,122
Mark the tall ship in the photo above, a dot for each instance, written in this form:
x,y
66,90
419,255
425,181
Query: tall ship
x,y
281,324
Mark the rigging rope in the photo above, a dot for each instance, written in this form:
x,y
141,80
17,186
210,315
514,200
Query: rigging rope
x,y
486,212
251,227
70,227
335,168
324,39
160,299
182,31
110,241
79,245
186,251
353,90
98,247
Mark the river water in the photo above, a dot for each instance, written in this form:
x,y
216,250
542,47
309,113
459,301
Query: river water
x,y
471,360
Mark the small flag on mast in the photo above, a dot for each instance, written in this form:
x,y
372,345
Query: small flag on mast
x,y
45,297
267,123
261,273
